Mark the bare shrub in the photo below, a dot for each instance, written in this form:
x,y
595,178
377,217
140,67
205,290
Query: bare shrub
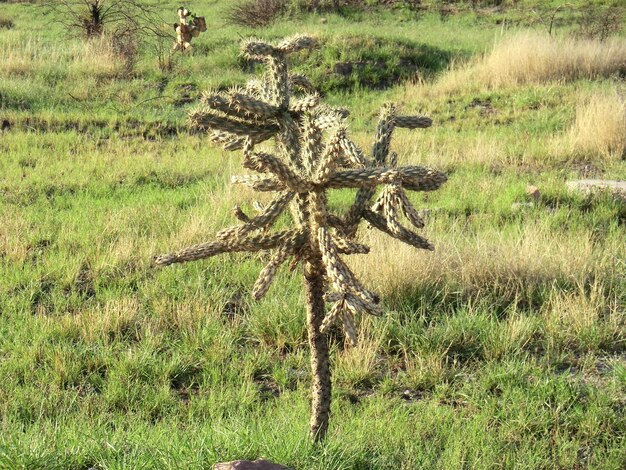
x,y
125,46
128,25
256,13
601,22
91,18
161,46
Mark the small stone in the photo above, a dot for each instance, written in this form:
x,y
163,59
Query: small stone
x,y
428,212
249,465
533,191
517,206
617,188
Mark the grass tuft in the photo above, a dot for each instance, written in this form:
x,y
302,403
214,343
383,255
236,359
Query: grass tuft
x,y
600,127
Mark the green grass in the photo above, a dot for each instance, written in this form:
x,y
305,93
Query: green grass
x,y
505,348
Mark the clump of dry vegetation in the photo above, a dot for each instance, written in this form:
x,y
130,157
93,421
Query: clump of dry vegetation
x,y
511,265
531,58
600,126
256,13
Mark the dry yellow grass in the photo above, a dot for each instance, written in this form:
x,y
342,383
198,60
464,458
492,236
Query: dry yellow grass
x,y
600,126
531,257
358,364
21,55
13,242
533,57
450,150
427,368
583,319
509,336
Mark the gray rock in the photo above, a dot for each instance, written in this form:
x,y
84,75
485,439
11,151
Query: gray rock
x,y
517,206
249,465
428,212
617,188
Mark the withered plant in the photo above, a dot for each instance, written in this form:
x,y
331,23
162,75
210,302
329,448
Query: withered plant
x,y
311,154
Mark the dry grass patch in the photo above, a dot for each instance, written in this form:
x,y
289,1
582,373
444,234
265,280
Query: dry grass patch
x,y
96,58
584,320
424,370
13,243
452,149
509,337
600,126
115,319
532,57
359,365
27,56
18,55
514,264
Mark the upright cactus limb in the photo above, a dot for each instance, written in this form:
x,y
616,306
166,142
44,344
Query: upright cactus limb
x,y
312,155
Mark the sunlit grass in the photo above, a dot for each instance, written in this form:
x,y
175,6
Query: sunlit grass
x,y
502,348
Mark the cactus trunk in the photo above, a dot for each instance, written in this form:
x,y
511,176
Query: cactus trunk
x,y
320,364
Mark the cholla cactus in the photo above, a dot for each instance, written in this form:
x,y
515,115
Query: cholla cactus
x,y
188,26
312,154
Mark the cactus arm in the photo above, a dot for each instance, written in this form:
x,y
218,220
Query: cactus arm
x,y
261,222
266,163
258,183
412,177
404,235
268,273
254,243
207,119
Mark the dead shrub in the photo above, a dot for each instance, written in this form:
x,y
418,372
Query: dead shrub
x,y
601,22
256,13
124,42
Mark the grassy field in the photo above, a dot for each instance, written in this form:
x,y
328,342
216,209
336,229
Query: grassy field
x,y
504,348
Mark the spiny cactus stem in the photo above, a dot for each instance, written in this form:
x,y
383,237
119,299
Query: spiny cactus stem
x,y
320,363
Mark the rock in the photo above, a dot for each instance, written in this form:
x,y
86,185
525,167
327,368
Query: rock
x,y
423,213
516,206
533,191
617,188
249,465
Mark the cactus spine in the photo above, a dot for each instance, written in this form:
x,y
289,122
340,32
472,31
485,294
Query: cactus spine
x,y
312,154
